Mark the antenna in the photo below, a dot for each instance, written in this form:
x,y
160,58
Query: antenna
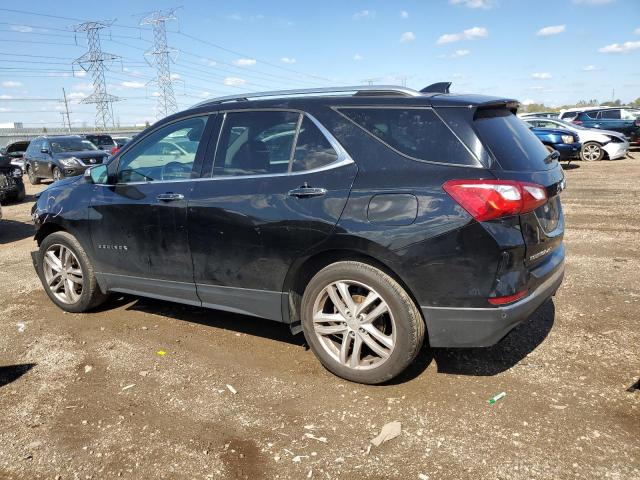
x,y
159,56
94,62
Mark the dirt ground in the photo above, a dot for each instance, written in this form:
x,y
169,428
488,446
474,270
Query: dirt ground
x,y
88,395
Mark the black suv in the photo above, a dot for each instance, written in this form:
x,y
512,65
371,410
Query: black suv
x,y
59,156
365,217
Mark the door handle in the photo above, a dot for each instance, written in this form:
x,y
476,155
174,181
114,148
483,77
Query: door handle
x,y
169,197
306,191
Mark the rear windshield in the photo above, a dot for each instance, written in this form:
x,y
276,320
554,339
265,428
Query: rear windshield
x,y
101,140
511,141
415,132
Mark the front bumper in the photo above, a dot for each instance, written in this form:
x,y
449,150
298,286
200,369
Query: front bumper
x,y
483,327
616,150
568,150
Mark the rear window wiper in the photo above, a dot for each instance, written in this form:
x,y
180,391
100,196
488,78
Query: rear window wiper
x,y
555,155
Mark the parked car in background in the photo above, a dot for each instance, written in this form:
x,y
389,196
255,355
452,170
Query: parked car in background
x,y
102,141
361,216
11,185
596,144
60,156
120,142
564,141
15,151
540,115
622,120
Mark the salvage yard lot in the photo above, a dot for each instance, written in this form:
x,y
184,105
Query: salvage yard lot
x,y
90,396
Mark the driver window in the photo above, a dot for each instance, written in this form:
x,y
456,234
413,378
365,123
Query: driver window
x,y
166,154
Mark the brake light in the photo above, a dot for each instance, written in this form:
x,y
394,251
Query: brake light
x,y
507,299
114,150
490,199
576,121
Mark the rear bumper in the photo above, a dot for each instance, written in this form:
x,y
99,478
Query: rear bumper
x,y
483,327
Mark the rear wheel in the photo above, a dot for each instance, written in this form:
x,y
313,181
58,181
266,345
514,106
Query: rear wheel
x,y
33,180
67,274
57,174
360,323
591,152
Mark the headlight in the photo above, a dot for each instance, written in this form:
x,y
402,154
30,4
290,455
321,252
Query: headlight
x,y
567,139
17,172
70,162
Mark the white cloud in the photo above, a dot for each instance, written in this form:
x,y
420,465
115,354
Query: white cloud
x,y
590,68
460,53
11,84
21,28
210,63
625,47
288,60
235,16
541,76
637,31
592,2
551,30
132,84
155,94
234,81
2,109
244,62
5,97
79,73
357,57
484,4
205,94
468,34
528,101
175,76
407,37
83,87
76,95
457,75
404,14
364,14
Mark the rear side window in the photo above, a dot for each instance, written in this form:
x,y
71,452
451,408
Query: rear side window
x,y
415,132
313,150
611,114
511,141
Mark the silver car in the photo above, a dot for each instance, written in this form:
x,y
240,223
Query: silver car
x,y
596,144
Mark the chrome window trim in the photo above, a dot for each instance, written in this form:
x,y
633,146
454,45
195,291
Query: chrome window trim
x,y
400,107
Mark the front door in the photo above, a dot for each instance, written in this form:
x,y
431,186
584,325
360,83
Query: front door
x,y
277,189
139,224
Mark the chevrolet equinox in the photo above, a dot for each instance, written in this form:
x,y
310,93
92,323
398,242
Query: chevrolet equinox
x,y
368,218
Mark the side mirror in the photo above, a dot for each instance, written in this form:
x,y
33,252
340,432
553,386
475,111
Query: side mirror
x,y
98,175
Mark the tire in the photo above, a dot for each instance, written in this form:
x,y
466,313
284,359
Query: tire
x,y
591,152
401,328
73,295
56,174
33,180
20,194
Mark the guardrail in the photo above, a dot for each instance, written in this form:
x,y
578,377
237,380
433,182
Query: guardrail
x,y
10,135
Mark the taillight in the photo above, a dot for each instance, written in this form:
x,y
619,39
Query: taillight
x,y
489,199
576,121
114,150
507,299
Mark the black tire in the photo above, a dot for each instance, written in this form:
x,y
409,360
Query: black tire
x,y
56,174
91,295
33,180
409,324
20,194
591,152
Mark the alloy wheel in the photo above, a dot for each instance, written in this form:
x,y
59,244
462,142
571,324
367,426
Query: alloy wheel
x,y
591,152
63,273
354,325
56,174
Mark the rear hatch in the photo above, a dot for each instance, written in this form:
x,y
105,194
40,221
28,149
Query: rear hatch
x,y
520,156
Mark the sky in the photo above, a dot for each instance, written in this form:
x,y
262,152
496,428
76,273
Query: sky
x,y
551,51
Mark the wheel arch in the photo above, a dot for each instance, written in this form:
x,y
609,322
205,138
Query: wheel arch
x,y
47,229
299,275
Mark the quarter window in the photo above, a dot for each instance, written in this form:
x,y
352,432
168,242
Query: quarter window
x,y
256,142
166,154
417,133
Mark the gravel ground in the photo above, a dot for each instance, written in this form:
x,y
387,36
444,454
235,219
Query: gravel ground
x,y
89,396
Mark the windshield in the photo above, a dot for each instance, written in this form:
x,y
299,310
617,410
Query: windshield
x,y
511,141
71,145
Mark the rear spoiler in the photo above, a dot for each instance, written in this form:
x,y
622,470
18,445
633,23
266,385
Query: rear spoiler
x,y
439,87
485,109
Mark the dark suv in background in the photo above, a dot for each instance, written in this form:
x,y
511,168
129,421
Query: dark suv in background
x,y
102,141
362,216
623,120
59,156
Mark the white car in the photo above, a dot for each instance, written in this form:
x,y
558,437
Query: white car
x,y
596,144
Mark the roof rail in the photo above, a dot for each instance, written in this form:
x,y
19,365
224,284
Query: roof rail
x,y
360,90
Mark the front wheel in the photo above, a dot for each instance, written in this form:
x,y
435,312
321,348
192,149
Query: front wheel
x,y
19,195
33,179
591,152
361,324
57,174
67,274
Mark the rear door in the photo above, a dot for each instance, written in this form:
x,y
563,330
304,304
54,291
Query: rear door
x,y
277,188
139,224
